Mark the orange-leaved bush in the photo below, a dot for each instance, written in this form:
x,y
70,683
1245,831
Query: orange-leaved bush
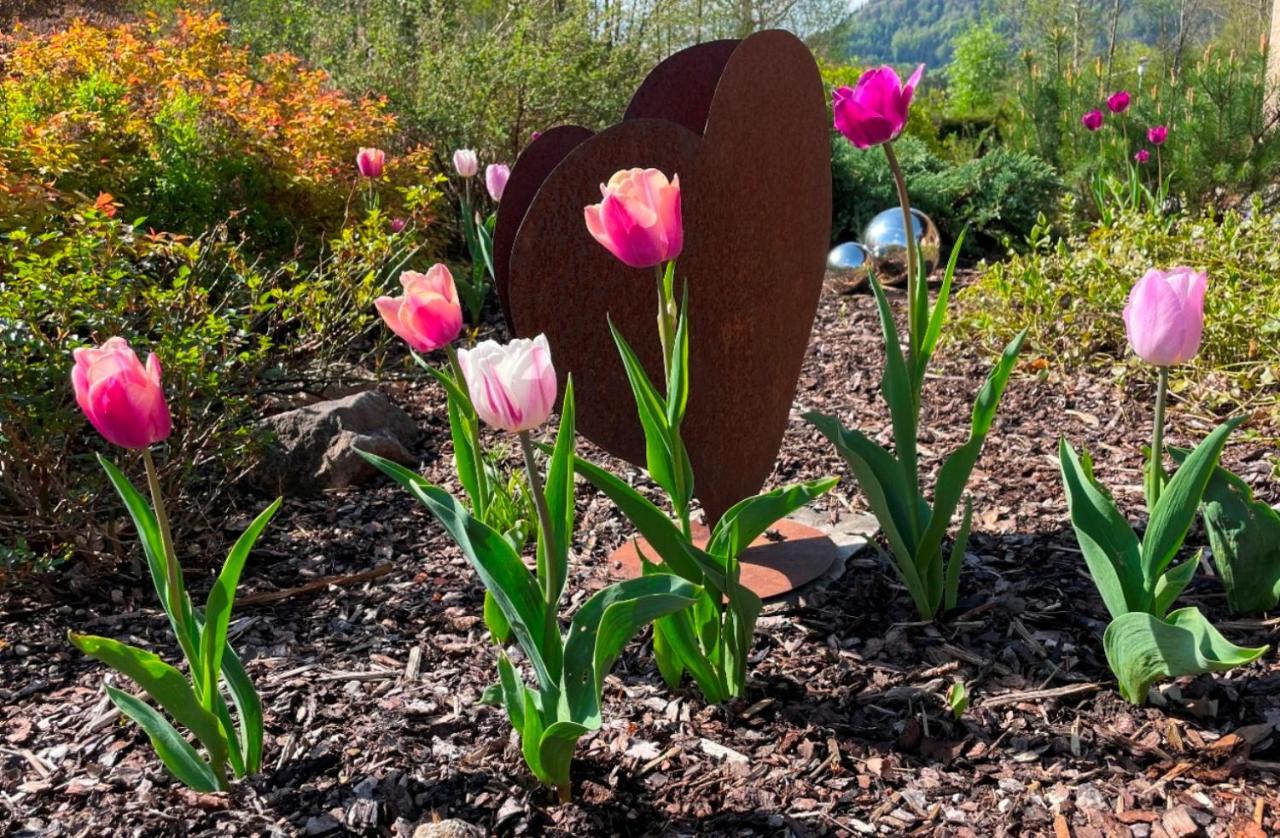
x,y
186,128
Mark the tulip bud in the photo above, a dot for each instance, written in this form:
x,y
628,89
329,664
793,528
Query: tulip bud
x,y
370,162
1158,134
495,179
123,400
1118,102
466,163
1141,156
875,111
1164,318
1092,120
428,316
513,387
639,219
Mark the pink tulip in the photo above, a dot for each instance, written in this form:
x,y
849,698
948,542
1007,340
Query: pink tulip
x,y
1165,315
398,225
1158,134
1118,102
495,178
428,316
513,387
639,219
534,136
466,163
1092,120
370,162
1142,156
875,111
120,397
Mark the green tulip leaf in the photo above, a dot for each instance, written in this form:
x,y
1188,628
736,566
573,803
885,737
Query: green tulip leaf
x,y
174,751
1143,649
746,520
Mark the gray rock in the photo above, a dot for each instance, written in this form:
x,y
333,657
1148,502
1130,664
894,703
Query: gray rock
x,y
313,447
451,828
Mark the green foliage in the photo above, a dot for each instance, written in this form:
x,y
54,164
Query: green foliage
x,y
906,31
890,481
1245,536
223,326
1139,582
569,669
1067,294
978,71
997,196
957,699
197,702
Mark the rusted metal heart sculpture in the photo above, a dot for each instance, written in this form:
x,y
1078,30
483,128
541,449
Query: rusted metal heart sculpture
x,y
744,125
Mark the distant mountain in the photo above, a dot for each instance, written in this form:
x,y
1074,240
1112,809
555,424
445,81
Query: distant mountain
x,y
906,31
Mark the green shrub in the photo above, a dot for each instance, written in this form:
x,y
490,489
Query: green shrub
x,y
224,329
998,195
1070,293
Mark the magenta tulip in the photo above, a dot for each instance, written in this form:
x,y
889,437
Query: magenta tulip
x,y
1142,156
370,162
466,163
1164,318
513,387
639,219
1118,102
428,316
1092,120
398,225
495,179
1158,134
121,398
875,111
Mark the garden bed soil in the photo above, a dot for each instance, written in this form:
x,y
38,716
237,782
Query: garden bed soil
x,y
360,623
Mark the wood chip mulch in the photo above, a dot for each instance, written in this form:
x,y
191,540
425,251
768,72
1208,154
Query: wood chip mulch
x,y
360,624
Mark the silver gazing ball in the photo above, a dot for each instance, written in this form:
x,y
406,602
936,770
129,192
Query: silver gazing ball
x,y
848,265
886,241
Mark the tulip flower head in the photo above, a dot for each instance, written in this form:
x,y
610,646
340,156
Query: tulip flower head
x,y
1164,318
875,110
398,225
1092,120
466,163
370,162
639,220
1142,156
513,387
428,316
495,179
1118,102
1158,134
123,400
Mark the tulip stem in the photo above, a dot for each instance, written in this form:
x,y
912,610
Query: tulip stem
x,y
173,571
544,518
909,230
1155,468
481,502
665,334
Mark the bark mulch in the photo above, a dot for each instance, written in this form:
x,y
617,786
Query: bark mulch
x,y
360,624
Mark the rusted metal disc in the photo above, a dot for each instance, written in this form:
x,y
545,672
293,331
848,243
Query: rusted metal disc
x,y
788,556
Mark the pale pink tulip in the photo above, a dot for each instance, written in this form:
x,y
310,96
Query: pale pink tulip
x,y
1165,315
121,398
495,179
465,162
428,316
875,110
513,387
370,162
639,219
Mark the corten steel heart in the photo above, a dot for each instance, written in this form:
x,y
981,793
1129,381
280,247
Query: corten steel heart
x,y
756,191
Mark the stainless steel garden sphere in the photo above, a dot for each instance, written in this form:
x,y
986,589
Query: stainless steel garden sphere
x,y
886,241
848,265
